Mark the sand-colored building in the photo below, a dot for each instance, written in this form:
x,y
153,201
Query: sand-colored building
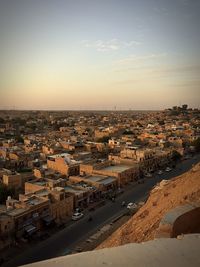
x,y
63,164
123,173
12,179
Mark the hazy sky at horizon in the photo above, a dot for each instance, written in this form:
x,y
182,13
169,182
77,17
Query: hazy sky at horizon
x,y
90,54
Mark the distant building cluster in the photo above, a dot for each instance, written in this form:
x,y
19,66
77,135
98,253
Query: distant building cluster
x,y
53,163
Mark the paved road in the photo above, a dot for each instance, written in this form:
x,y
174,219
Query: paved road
x,y
75,232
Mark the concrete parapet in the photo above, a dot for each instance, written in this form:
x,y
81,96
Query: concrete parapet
x,y
161,252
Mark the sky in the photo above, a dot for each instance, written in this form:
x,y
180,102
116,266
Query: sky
x,y
99,54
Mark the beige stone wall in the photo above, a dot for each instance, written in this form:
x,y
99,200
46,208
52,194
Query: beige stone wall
x,y
62,209
31,187
128,153
3,153
115,159
86,168
58,165
12,180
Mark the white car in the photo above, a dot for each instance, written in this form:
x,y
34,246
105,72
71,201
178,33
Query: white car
x,y
148,175
168,169
160,172
131,206
76,216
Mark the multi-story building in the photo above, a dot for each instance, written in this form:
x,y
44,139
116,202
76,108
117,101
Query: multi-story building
x,y
27,213
63,164
12,179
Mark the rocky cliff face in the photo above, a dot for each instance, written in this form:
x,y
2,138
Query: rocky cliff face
x,y
164,197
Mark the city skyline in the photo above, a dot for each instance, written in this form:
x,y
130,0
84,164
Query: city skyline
x,y
98,55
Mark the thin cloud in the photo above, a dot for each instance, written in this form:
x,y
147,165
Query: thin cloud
x,y
133,63
181,69
137,59
110,45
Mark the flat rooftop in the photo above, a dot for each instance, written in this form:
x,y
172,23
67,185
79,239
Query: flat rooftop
x,y
95,178
42,183
35,201
100,179
42,193
107,181
62,155
116,168
69,189
15,212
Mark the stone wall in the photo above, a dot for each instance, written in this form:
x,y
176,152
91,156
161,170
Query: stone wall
x,y
181,220
187,223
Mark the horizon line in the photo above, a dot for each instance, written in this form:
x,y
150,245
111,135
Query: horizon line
x,y
83,109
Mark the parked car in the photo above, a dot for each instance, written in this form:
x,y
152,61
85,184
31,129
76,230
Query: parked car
x,y
76,216
160,172
131,206
148,175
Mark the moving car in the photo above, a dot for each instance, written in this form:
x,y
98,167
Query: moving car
x,y
131,206
123,203
160,172
76,216
168,169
